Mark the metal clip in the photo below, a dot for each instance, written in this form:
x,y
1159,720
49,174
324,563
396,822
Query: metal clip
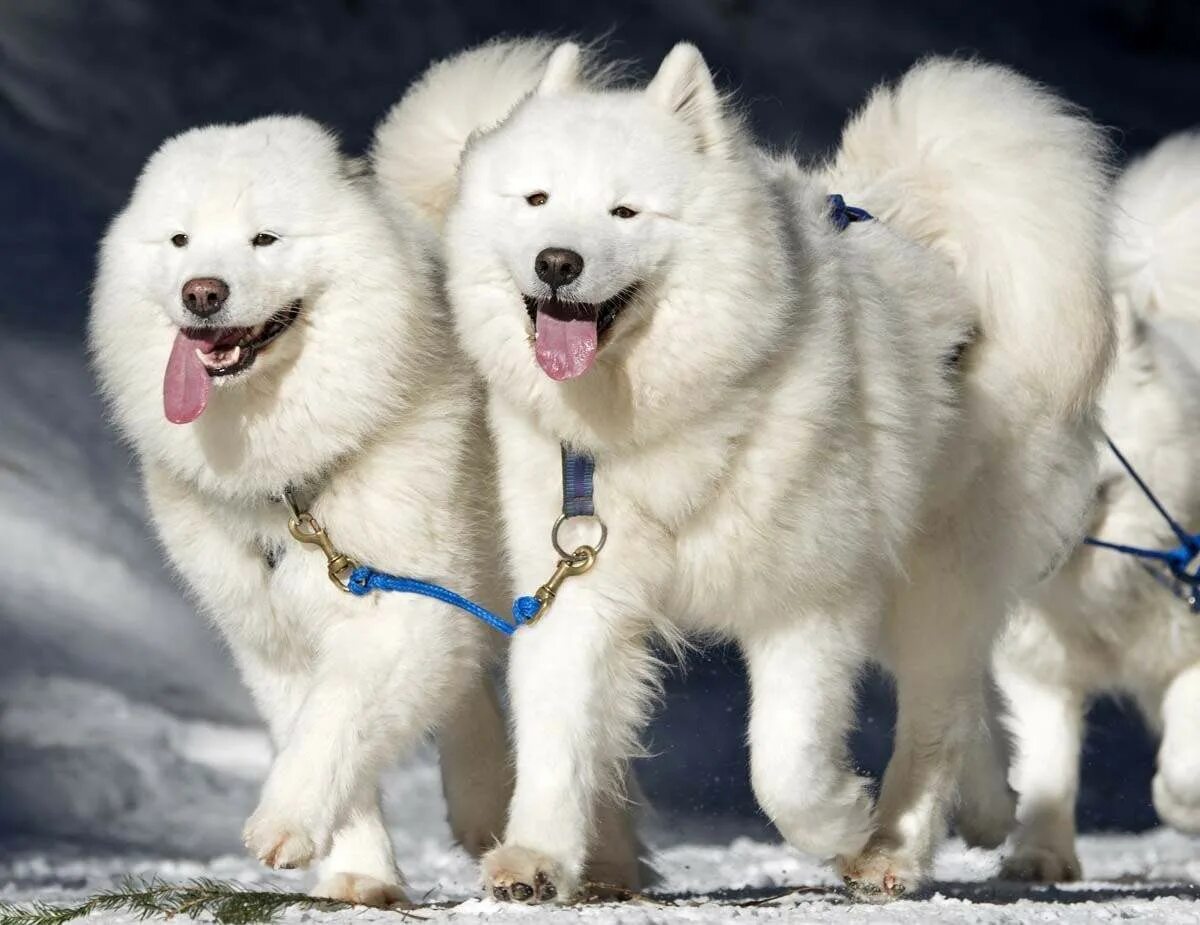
x,y
305,528
580,561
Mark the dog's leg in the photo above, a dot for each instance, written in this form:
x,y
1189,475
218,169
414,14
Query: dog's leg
x,y
1047,720
476,773
939,637
802,678
360,867
1177,783
578,682
383,678
986,804
615,857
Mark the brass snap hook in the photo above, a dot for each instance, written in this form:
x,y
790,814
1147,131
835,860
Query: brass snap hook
x,y
578,562
306,529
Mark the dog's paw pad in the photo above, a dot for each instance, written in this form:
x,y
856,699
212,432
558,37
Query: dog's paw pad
x,y
515,874
878,877
360,890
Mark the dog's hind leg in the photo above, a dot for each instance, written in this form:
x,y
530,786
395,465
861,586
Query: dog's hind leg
x,y
802,679
360,867
476,770
614,860
986,804
1177,783
1047,719
938,639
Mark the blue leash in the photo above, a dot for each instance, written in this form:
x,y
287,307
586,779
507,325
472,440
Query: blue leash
x,y
578,469
1175,560
364,580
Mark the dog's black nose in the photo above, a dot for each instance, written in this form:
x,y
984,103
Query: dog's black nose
x,y
557,266
205,297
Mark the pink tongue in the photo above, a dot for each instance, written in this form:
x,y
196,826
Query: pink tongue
x,y
565,349
187,383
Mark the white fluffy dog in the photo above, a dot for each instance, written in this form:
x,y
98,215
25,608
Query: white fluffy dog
x,y
1103,624
259,325
828,445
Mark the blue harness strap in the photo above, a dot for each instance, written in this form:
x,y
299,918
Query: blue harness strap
x,y
842,215
1176,561
578,471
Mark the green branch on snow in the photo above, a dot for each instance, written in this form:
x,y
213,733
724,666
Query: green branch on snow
x,y
226,903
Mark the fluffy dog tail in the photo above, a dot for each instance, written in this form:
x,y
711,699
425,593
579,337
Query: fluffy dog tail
x,y
1010,184
1154,250
418,144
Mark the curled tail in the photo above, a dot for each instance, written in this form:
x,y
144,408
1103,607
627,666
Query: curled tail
x,y
1154,250
1010,184
418,144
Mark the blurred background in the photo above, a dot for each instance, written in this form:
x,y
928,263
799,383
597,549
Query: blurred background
x,y
122,725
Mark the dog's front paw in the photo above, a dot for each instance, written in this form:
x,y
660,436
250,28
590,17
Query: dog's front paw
x,y
1041,864
879,875
278,841
515,874
360,890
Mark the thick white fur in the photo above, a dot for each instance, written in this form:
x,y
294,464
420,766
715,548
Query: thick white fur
x,y
1102,624
418,144
785,455
366,407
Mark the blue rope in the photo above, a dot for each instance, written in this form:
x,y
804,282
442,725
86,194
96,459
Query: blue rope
x,y
364,580
1176,560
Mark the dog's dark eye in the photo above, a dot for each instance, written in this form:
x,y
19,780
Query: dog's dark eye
x,y
537,199
263,239
179,240
623,212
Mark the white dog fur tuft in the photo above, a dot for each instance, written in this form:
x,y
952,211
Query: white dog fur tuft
x,y
1014,193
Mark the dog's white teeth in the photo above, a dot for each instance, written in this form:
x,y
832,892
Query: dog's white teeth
x,y
221,357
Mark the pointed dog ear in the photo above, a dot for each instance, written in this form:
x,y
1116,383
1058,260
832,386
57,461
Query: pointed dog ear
x,y
683,85
564,70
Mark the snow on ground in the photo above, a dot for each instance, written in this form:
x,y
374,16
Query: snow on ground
x,y
170,795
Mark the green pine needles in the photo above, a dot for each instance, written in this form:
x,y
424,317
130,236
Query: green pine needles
x,y
223,902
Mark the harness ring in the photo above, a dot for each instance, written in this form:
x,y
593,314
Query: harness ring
x,y
572,556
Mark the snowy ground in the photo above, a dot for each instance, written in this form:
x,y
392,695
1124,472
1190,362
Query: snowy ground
x,y
144,777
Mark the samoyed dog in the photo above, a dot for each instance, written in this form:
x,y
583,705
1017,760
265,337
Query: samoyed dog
x,y
830,440
1102,623
266,331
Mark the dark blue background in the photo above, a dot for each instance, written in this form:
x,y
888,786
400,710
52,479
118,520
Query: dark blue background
x,y
88,90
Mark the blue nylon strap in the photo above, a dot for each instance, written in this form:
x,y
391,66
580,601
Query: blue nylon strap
x,y
364,580
842,215
1175,560
578,470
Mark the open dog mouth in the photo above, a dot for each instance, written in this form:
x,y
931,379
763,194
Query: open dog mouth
x,y
203,354
228,351
567,335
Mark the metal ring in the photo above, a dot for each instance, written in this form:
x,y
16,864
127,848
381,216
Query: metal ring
x,y
562,519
